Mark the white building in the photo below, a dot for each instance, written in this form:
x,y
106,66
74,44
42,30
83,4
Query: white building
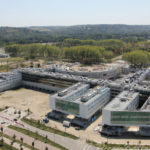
x,y
117,112
10,80
145,130
80,101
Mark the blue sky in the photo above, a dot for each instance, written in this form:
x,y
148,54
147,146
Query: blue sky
x,y
73,12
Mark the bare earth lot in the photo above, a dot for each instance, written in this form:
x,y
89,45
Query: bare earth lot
x,y
37,102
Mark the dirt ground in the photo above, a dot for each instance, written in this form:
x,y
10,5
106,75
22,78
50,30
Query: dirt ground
x,y
37,102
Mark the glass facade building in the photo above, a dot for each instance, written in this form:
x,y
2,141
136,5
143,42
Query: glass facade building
x,y
67,106
130,118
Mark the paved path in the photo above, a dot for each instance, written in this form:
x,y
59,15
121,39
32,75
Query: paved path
x,y
28,140
16,145
69,143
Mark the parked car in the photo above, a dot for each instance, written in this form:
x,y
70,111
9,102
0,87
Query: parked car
x,y
45,120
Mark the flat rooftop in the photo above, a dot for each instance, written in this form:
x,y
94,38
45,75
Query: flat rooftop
x,y
122,101
91,95
64,94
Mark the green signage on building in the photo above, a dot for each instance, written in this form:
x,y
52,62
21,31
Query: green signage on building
x,y
132,118
66,106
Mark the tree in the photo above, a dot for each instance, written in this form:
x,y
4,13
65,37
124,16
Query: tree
x,y
21,139
33,145
15,112
46,148
14,137
12,142
46,137
19,112
21,148
137,58
128,144
36,135
140,145
2,130
1,141
28,110
38,122
84,54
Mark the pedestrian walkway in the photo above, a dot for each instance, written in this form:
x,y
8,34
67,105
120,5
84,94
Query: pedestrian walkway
x,y
69,143
16,145
28,140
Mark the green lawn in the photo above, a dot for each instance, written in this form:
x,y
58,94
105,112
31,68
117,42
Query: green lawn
x,y
49,129
4,146
37,136
1,109
119,146
18,141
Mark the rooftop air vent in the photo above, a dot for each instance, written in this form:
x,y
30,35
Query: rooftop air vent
x,y
123,99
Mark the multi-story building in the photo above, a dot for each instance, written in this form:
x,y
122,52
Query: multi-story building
x,y
10,80
126,101
80,101
117,114
145,119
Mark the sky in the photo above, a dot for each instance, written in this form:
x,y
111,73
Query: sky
x,y
22,13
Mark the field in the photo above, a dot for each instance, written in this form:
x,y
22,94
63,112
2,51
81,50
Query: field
x,y
37,102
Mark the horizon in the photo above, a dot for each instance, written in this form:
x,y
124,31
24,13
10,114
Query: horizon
x,y
74,25
28,13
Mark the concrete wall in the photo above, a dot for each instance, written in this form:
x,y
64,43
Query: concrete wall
x,y
106,117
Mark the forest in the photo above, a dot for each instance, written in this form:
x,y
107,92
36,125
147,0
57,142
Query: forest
x,y
87,44
127,33
84,51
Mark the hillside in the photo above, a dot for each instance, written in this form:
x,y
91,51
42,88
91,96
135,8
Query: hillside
x,y
58,33
95,29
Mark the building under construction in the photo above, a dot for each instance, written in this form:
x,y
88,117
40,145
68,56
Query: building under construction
x,y
83,96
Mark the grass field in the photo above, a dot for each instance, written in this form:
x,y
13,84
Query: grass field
x,y
37,136
4,146
18,141
117,146
49,129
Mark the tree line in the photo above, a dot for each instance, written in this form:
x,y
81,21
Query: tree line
x,y
84,51
114,45
132,34
32,51
138,58
84,54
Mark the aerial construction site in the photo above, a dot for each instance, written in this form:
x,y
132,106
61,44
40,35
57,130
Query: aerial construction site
x,y
119,92
107,102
